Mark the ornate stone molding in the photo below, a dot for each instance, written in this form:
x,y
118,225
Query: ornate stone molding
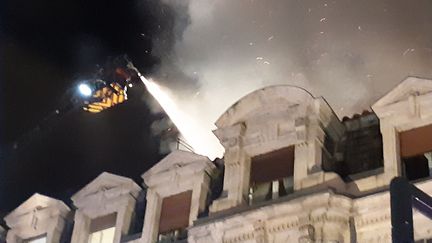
x,y
270,119
39,215
307,233
240,238
296,220
285,226
106,194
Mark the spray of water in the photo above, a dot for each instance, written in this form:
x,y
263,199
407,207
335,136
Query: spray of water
x,y
203,141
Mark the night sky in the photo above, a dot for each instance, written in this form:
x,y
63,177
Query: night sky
x,y
46,48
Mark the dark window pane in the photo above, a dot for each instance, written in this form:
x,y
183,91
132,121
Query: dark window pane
x,y
272,166
175,212
416,141
103,222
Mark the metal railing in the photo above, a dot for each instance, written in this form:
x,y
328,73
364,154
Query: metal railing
x,y
404,196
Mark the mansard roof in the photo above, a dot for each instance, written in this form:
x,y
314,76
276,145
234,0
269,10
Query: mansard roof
x,y
36,202
262,99
409,86
104,182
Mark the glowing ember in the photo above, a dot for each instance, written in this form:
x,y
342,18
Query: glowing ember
x,y
203,141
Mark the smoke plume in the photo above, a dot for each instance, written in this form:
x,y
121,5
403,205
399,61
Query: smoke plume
x,y
350,52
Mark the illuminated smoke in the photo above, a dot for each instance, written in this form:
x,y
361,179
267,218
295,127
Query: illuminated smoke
x,y
202,140
350,52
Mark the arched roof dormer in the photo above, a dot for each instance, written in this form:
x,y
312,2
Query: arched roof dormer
x,y
267,99
268,124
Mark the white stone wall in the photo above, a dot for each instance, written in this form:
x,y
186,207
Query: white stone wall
x,y
263,121
180,171
105,195
320,217
250,127
39,215
269,119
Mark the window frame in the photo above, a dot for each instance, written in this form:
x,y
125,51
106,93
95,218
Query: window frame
x,y
35,238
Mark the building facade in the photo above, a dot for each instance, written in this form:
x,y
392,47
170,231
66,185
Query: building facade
x,y
291,172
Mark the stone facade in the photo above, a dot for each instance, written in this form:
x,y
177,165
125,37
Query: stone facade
x,y
105,195
39,216
178,172
270,119
326,203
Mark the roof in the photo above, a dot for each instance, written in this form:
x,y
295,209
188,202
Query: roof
x,y
265,98
409,86
106,181
36,201
179,159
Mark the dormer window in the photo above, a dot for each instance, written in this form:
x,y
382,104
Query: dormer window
x,y
104,209
271,175
177,192
174,218
40,219
102,229
416,152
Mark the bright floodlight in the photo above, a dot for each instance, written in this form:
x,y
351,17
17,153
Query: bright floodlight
x,y
84,89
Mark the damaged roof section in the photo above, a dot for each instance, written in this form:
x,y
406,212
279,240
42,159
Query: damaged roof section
x,y
359,153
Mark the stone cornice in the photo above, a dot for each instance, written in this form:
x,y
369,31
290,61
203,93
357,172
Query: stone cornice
x,y
335,208
107,186
409,86
179,173
39,206
373,219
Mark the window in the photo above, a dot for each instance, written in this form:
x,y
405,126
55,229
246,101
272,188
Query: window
x,y
416,148
175,215
172,236
39,239
174,218
102,236
424,241
271,175
102,229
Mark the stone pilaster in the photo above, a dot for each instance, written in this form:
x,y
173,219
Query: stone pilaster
x,y
151,220
81,227
391,150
